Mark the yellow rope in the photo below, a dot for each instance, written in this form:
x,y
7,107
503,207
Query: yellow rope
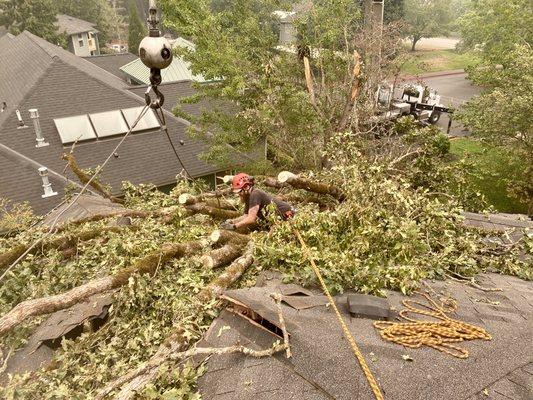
x,y
436,334
370,378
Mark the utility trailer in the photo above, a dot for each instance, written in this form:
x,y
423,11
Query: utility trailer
x,y
421,102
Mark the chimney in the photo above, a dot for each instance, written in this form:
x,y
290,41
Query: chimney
x,y
48,191
21,124
34,115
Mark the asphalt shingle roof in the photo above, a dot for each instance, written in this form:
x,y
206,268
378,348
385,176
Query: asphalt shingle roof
x,y
323,366
72,25
37,74
112,62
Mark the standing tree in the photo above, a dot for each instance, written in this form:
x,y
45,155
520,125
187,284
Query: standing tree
x,y
137,30
36,16
501,33
426,19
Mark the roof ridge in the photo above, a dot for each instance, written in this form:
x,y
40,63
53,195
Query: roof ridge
x,y
32,37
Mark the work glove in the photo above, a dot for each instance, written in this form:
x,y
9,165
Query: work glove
x,y
228,225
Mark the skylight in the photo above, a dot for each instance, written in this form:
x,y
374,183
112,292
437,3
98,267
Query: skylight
x,y
148,121
72,129
109,123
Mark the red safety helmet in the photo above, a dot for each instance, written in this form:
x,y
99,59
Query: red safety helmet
x,y
241,181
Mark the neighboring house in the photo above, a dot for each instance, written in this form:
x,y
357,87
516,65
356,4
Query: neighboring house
x,y
78,102
179,70
82,37
112,62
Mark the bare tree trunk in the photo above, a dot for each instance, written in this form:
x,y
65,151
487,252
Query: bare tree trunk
x,y
47,305
414,42
84,178
211,201
274,183
310,186
216,213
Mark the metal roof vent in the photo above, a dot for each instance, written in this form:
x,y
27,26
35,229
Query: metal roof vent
x,y
21,124
34,115
48,191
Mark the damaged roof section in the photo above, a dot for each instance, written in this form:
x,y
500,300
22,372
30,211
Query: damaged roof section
x,y
323,365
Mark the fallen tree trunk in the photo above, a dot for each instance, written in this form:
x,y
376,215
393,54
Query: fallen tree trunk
x,y
213,212
60,243
211,201
136,380
274,183
309,185
47,305
222,256
84,178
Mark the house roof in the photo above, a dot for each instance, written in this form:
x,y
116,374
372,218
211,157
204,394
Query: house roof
x,y
323,365
112,62
178,70
72,25
37,74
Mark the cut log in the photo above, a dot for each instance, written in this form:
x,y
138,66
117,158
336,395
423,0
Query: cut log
x,y
222,256
61,243
47,305
222,236
231,274
309,185
137,379
84,178
213,212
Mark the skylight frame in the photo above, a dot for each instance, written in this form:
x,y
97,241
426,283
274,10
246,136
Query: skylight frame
x,y
70,133
109,123
148,122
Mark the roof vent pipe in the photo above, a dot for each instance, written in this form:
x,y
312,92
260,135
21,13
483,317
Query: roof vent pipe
x,y
34,115
21,124
48,191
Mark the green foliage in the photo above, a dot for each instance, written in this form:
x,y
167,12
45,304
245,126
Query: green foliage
x,y
36,16
137,30
492,169
394,11
426,19
15,217
501,33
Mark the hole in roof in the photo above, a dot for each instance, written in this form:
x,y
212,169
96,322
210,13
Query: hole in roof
x,y
4,106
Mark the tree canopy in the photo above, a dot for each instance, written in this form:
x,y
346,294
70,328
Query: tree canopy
x,y
37,16
501,33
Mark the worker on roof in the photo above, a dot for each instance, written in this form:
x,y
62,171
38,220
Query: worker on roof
x,y
255,201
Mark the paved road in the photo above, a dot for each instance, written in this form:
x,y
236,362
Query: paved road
x,y
455,90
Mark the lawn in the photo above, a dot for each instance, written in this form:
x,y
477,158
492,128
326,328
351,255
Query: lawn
x,y
424,61
492,167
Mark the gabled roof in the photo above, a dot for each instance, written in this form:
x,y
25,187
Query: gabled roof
x,y
72,25
179,69
37,74
112,62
